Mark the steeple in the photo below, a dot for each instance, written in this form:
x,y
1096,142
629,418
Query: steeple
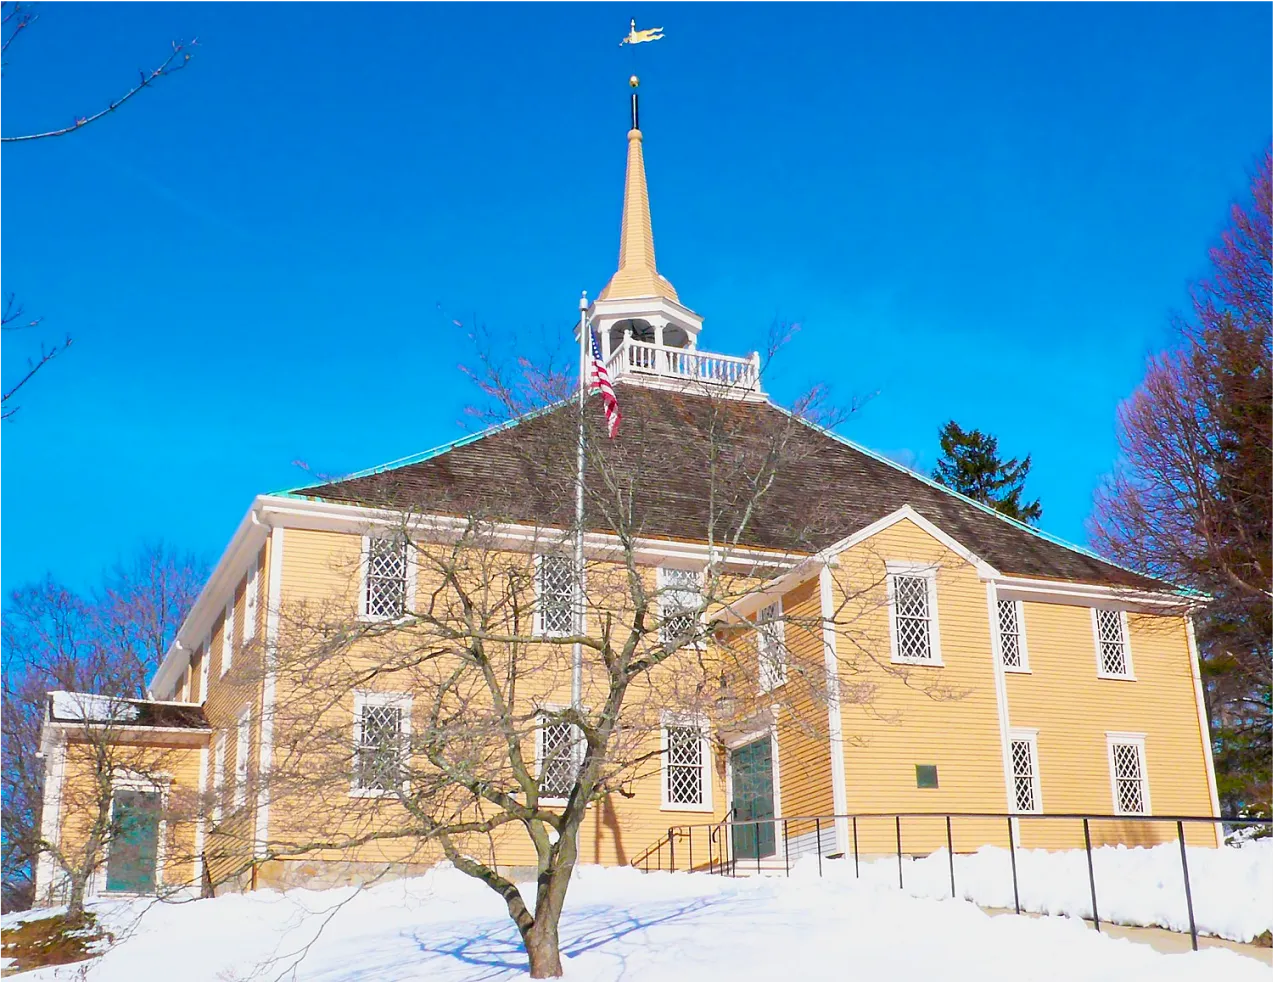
x,y
646,335
637,276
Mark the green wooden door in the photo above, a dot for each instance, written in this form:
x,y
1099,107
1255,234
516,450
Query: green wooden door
x,y
134,842
752,770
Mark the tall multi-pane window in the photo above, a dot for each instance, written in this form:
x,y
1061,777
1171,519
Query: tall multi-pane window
x,y
1111,643
250,598
557,757
242,751
218,777
912,603
385,578
686,775
1012,636
1127,772
555,595
680,602
771,648
227,637
1025,772
382,730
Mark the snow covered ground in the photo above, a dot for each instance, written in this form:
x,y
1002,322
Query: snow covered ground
x,y
659,927
1232,887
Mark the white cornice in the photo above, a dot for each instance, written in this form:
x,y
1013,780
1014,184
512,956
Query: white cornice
x,y
1086,594
232,567
268,511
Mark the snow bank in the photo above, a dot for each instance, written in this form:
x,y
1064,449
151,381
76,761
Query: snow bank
x,y
1232,887
620,924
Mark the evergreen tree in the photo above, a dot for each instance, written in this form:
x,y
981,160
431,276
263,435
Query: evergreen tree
x,y
970,464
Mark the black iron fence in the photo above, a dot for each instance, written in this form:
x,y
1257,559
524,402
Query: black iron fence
x,y
741,846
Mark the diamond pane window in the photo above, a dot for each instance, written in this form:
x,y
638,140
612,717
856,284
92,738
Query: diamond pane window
x,y
680,602
250,593
380,754
1129,778
1112,641
1024,776
1010,634
386,578
770,647
242,750
912,618
683,769
555,590
558,759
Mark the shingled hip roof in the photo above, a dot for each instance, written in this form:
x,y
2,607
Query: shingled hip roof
x,y
825,490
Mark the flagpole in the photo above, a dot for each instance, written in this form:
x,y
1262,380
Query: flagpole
x,y
576,674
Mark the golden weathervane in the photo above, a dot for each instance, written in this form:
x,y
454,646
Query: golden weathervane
x,y
638,37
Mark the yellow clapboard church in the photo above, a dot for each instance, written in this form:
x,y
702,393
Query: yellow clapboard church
x,y
847,643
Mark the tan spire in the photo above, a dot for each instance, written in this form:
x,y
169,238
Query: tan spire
x,y
637,275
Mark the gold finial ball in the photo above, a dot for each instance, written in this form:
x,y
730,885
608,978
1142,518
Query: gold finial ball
x,y
634,81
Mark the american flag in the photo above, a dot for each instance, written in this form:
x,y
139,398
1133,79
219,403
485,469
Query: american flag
x,y
599,382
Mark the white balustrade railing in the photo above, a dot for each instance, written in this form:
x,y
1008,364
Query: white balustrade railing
x,y
642,358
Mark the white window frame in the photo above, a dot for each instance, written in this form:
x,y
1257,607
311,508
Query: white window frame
x,y
1130,674
1022,649
227,638
242,756
397,700
251,597
576,597
160,783
218,777
927,572
1029,736
1136,740
772,658
410,574
577,748
665,589
686,721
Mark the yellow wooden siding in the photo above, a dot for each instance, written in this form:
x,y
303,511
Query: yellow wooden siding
x,y
804,749
320,571
177,764
229,844
896,717
1073,709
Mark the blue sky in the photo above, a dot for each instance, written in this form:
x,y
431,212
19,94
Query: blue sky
x,y
984,213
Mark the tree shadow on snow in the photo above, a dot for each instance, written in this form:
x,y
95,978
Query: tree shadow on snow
x,y
497,950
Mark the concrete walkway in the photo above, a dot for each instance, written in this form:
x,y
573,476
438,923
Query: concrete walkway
x,y
1160,939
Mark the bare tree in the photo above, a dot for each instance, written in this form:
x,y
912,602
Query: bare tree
x,y
15,20
1189,500
539,689
107,644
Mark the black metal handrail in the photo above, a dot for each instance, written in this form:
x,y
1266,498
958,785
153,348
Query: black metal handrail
x,y
723,860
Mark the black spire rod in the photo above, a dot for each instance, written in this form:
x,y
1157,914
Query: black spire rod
x,y
636,119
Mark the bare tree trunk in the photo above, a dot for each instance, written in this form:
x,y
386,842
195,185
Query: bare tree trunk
x,y
542,949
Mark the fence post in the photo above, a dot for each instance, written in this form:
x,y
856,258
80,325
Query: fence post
x,y
711,854
817,831
856,871
898,819
690,833
1012,854
1091,873
1184,865
756,827
671,852
786,848
950,852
